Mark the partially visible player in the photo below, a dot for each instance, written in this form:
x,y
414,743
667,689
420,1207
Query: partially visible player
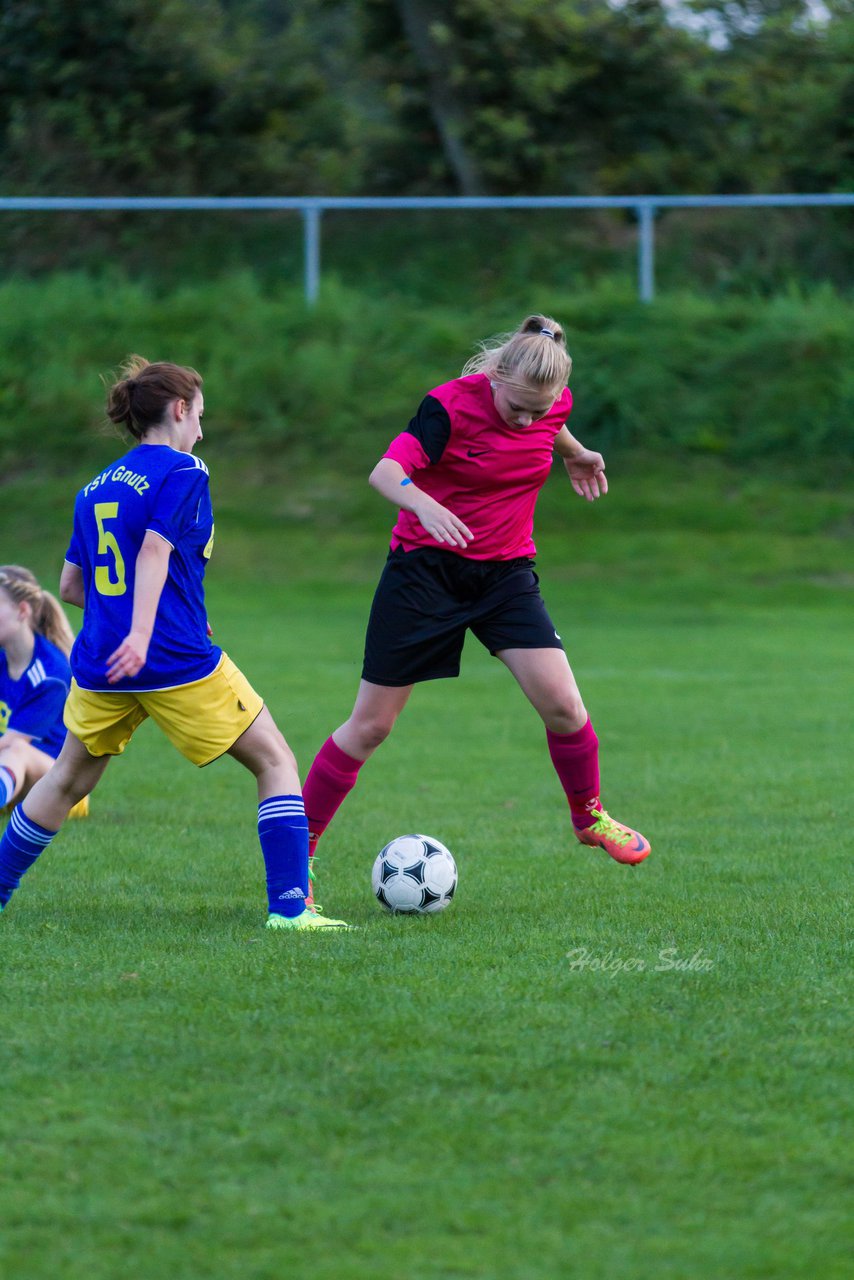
x,y
465,476
143,533
35,641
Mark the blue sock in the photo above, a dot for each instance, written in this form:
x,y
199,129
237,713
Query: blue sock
x,y
7,785
23,841
283,832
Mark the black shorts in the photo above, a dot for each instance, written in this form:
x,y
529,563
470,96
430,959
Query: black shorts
x,y
425,602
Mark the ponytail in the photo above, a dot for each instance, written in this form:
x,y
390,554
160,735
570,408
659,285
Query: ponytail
x,y
49,620
139,398
534,355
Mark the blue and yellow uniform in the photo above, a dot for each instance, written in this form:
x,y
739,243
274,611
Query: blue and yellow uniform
x,y
187,685
153,487
32,705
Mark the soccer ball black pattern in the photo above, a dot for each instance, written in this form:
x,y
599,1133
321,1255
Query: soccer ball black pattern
x,y
414,875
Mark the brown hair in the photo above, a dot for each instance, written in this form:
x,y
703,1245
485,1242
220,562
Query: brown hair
x,y
534,355
47,617
138,399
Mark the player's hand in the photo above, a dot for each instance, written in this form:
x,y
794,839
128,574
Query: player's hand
x,y
441,523
209,629
129,658
586,471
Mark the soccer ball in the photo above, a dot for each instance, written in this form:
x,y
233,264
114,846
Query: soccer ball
x,y
414,874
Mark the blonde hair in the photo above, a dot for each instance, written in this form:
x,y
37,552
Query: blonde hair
x,y
139,398
534,355
47,617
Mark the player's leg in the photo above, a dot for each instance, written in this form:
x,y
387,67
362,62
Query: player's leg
x,y
515,626
372,719
223,715
37,819
263,751
75,773
21,766
282,827
336,766
546,679
416,630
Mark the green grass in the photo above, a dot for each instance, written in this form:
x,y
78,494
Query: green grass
x,y
189,1096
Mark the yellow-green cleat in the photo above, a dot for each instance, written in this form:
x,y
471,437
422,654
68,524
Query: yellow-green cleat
x,y
310,903
307,920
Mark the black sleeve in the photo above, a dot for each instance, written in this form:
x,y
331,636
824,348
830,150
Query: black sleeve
x,y
431,427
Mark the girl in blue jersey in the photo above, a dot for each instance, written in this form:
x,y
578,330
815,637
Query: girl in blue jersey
x,y
143,533
35,641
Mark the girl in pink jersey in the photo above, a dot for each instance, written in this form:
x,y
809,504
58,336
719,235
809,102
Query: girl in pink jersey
x,y
465,476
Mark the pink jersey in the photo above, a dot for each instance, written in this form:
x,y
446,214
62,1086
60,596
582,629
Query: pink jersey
x,y
459,450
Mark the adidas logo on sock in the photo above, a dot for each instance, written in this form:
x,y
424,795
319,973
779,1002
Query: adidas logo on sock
x,y
292,893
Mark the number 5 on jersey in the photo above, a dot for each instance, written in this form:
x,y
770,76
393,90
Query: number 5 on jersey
x,y
105,583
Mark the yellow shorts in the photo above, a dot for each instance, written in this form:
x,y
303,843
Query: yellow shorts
x,y
202,719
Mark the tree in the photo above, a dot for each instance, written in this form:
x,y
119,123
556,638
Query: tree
x,y
554,96
577,96
164,96
428,38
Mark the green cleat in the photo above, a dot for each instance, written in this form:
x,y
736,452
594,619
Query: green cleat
x,y
310,904
308,920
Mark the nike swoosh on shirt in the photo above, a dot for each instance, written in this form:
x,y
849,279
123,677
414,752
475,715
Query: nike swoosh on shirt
x,y
475,453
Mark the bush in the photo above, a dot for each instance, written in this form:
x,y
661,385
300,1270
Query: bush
x,y
742,379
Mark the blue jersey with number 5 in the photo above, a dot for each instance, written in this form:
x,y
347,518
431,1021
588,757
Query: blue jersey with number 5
x,y
157,488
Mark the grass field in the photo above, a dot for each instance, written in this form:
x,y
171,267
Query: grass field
x,y
579,1070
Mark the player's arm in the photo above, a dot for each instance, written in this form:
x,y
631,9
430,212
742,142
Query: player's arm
x,y
389,479
152,566
71,584
585,467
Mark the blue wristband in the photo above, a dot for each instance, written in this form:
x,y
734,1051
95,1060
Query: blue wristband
x,y
406,481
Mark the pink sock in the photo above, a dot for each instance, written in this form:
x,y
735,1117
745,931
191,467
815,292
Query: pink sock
x,y
575,757
330,779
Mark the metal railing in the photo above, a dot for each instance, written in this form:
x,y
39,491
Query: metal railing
x,y
312,207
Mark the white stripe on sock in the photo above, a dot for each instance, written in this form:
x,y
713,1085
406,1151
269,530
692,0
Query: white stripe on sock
x,y
21,824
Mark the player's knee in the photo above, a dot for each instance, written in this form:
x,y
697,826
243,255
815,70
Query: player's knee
x,y
277,753
374,731
68,785
566,715
289,760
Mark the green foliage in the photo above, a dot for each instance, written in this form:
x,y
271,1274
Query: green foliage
x,y
218,97
572,98
142,97
767,381
746,379
580,98
339,97
780,99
